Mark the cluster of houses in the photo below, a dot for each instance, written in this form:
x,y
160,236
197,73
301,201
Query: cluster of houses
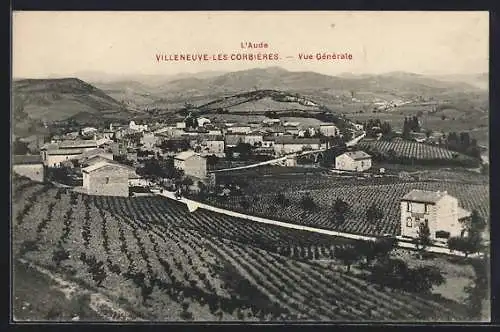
x,y
102,175
94,151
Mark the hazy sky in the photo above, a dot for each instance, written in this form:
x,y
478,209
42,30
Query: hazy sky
x,y
64,43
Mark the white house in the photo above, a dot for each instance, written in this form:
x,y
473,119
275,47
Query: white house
x,y
54,154
107,178
437,209
213,144
192,164
137,127
353,161
286,144
329,129
253,138
202,121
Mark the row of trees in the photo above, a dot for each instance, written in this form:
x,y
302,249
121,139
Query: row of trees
x,y
387,271
410,124
462,142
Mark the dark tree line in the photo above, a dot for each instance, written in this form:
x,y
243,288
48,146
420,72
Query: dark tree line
x,y
410,124
462,142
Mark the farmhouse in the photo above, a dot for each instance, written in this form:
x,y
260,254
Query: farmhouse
x,y
439,210
353,161
106,178
329,129
287,144
54,154
213,144
253,138
192,164
29,166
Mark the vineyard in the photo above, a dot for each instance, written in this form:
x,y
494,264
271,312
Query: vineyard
x,y
152,255
259,200
408,150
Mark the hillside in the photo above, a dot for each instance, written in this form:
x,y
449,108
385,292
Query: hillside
x,y
332,91
49,100
276,78
153,256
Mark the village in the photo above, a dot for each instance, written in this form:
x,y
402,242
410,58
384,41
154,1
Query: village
x,y
188,156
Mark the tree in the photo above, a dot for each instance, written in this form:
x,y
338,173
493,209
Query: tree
x,y
307,203
244,204
340,209
244,149
281,200
467,245
374,214
19,148
423,239
477,223
423,279
348,255
383,246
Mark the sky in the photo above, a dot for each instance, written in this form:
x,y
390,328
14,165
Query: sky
x,y
53,44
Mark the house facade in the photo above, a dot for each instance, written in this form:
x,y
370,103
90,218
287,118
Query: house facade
x,y
106,179
439,210
54,154
213,144
285,144
192,164
329,130
29,166
358,161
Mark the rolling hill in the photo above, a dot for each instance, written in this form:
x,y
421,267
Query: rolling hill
x,y
329,90
51,100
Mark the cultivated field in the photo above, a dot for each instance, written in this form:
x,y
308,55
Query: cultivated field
x,y
161,262
413,150
385,193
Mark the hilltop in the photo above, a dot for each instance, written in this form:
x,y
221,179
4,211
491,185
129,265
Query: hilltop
x,y
50,100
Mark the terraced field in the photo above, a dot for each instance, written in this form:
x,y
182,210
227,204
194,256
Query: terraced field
x,y
152,255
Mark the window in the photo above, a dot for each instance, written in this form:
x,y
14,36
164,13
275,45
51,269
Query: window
x,y
107,180
408,206
409,223
426,208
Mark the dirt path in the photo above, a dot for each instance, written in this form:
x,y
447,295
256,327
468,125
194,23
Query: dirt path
x,y
100,303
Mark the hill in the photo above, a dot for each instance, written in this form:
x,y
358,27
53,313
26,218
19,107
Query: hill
x,y
155,257
51,100
276,78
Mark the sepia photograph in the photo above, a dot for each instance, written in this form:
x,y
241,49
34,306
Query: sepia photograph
x,y
250,167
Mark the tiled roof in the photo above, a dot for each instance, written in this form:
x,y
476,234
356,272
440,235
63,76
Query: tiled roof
x,y
358,155
185,155
77,144
64,152
102,164
424,196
